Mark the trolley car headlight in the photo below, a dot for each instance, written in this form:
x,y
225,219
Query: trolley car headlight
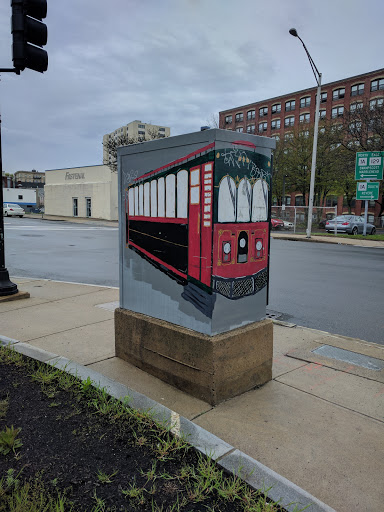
x,y
259,245
227,248
242,242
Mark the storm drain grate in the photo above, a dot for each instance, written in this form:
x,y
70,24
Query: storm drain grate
x,y
371,363
273,315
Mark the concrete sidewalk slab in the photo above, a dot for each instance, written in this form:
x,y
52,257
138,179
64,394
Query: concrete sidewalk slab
x,y
49,318
339,388
49,290
326,449
85,345
155,389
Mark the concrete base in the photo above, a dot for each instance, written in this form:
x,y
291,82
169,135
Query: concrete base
x,y
211,368
16,296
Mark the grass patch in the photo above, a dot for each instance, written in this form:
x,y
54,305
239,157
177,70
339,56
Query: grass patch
x,y
84,451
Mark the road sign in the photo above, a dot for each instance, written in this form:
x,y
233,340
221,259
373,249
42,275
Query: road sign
x,y
367,191
369,165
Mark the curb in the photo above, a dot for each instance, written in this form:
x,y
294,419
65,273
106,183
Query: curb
x,y
258,476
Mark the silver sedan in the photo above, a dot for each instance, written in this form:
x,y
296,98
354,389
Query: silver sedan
x,y
352,224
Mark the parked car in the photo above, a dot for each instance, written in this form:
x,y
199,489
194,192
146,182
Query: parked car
x,y
277,224
12,210
323,222
287,224
352,224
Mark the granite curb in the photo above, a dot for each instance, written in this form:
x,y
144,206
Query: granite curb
x,y
258,476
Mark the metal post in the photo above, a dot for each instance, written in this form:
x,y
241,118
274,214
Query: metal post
x,y
317,75
6,286
335,220
365,217
313,166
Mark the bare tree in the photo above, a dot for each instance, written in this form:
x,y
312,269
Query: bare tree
x,y
113,142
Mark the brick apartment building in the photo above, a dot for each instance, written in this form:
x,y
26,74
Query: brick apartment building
x,y
277,117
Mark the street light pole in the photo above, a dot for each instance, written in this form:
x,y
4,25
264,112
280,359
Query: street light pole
x,y
294,33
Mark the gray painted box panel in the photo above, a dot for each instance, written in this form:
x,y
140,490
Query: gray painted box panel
x,y
175,231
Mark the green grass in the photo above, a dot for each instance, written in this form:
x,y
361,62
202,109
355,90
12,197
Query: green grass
x,y
200,481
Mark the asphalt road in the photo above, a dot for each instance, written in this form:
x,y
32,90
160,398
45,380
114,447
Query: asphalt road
x,y
334,288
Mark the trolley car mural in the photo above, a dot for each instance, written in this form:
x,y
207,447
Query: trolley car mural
x,y
204,220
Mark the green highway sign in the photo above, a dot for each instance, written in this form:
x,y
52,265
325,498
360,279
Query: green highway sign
x,y
367,191
369,165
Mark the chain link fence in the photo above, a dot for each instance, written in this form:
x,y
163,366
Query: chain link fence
x,y
295,218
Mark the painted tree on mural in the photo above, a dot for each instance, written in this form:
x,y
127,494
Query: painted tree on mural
x,y
113,142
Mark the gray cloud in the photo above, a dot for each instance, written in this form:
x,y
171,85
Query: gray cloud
x,y
172,62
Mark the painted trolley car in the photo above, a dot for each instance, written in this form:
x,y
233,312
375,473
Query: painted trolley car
x,y
204,220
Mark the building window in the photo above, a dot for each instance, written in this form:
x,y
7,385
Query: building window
x,y
338,93
304,118
357,90
323,97
377,85
251,128
161,129
251,115
88,206
376,103
239,117
276,108
263,111
356,106
355,126
287,200
299,201
290,105
288,136
75,204
276,137
141,132
275,124
337,112
263,127
228,119
240,129
323,114
305,102
141,126
305,133
289,121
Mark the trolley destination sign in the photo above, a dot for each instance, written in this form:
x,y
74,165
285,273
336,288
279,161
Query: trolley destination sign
x,y
369,165
367,191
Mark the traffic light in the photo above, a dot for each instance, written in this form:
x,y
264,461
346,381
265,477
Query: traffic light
x,y
29,34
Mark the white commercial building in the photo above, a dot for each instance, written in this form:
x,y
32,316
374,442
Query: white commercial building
x,y
25,197
82,192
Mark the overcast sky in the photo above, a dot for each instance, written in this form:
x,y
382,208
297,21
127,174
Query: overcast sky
x,y
172,63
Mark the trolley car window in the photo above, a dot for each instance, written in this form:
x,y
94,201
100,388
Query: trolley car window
x,y
170,196
260,201
244,195
141,199
153,198
136,200
131,201
227,200
182,194
161,197
146,199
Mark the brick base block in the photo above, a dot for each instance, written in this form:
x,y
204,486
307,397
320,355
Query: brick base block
x,y
211,368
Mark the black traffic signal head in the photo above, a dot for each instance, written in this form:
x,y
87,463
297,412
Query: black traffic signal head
x,y
29,34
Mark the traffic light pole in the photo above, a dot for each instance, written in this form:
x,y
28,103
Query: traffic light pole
x,y
6,286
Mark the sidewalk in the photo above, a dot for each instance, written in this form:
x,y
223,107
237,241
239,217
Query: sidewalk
x,y
319,422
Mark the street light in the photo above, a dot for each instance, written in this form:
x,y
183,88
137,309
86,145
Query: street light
x,y
294,33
